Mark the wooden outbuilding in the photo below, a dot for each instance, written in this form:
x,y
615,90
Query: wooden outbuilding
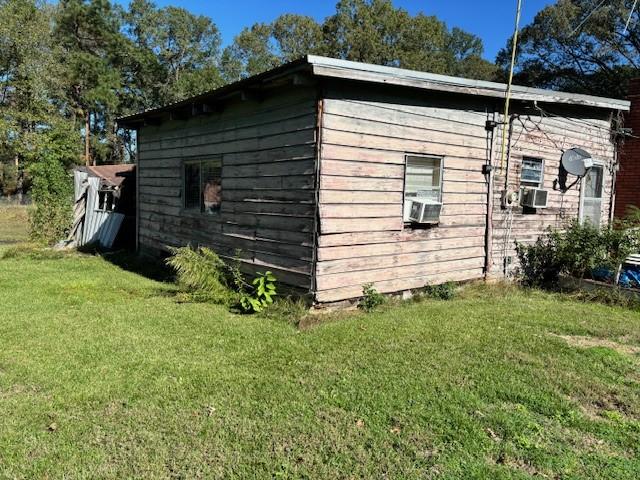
x,y
334,174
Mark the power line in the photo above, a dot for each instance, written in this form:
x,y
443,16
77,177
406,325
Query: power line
x,y
626,25
584,20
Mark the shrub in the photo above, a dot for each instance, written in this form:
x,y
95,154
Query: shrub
x,y
578,251
444,291
371,298
209,279
203,273
539,263
51,191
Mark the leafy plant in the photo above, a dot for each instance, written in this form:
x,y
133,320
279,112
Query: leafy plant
x,y
577,250
371,298
261,295
203,273
444,291
51,191
539,263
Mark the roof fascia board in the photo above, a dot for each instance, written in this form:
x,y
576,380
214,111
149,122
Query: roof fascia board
x,y
329,67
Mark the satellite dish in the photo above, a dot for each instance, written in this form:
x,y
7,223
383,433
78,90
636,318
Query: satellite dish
x,y
576,161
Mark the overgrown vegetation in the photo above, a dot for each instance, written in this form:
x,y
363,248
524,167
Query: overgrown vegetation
x,y
608,296
201,274
577,250
371,298
444,291
105,375
204,276
52,194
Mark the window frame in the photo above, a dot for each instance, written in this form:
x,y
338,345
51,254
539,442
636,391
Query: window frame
x,y
107,198
407,155
529,183
581,212
198,211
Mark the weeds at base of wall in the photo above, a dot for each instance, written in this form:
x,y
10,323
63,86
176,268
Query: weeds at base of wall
x,y
371,298
444,291
205,277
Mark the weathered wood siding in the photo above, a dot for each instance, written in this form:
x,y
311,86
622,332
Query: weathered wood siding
x,y
365,136
546,135
268,152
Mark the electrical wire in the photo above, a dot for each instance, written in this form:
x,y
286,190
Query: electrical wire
x,y
626,25
584,20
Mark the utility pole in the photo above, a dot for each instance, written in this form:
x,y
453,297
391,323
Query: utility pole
x,y
505,118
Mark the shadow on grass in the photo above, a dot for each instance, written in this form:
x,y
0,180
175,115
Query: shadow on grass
x,y
148,267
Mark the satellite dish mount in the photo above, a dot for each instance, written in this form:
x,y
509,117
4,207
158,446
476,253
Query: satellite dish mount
x,y
574,161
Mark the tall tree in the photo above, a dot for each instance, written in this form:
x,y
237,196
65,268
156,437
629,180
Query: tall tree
x,y
251,53
583,46
89,35
372,31
177,53
30,81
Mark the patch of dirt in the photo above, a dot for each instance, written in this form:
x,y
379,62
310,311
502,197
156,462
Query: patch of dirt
x,y
589,342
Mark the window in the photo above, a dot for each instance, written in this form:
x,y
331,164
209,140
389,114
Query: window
x,y
592,195
423,181
106,200
203,185
532,169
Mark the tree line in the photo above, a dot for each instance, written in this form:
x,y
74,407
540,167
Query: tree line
x,y
69,69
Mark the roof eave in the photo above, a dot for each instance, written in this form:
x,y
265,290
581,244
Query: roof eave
x,y
221,93
342,69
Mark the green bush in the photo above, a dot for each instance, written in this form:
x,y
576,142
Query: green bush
x,y
206,277
576,251
539,263
371,298
202,274
444,291
51,192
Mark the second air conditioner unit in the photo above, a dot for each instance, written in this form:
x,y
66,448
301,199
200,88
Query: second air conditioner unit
x,y
534,198
425,211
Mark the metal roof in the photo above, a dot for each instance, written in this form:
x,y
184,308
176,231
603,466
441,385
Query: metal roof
x,y
331,67
365,72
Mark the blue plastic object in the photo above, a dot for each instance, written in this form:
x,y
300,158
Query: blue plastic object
x,y
630,276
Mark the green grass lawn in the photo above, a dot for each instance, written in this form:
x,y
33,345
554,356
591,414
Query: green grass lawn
x,y
103,374
13,224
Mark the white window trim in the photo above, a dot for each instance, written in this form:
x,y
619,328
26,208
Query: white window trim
x,y
404,184
596,163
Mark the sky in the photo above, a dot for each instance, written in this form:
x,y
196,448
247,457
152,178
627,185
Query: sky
x,y
491,20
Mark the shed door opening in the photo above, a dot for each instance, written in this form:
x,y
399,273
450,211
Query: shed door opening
x,y
592,195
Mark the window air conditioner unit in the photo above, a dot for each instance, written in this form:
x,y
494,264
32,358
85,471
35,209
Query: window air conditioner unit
x,y
534,198
425,211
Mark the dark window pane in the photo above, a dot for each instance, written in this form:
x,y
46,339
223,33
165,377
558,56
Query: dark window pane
x,y
211,186
192,185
